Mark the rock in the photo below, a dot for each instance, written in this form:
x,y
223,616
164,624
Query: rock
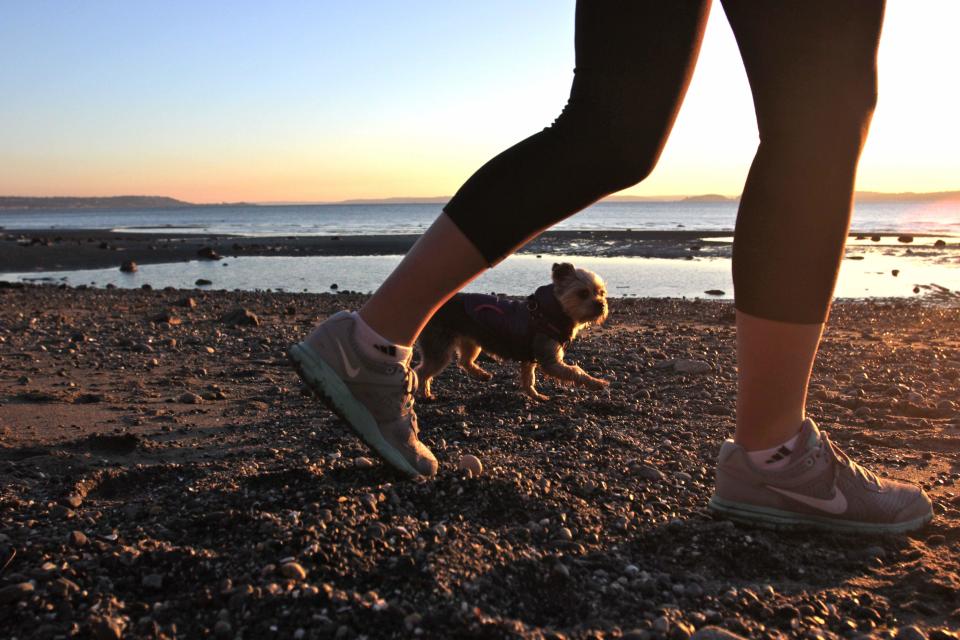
x,y
471,464
334,286
128,266
241,317
203,282
691,366
106,628
190,398
875,238
916,289
905,238
647,472
895,272
77,539
152,581
293,571
223,629
715,633
209,253
16,592
939,244
911,632
715,292
943,634
364,463
73,500
187,302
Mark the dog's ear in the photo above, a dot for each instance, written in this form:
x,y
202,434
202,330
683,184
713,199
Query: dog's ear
x,y
562,271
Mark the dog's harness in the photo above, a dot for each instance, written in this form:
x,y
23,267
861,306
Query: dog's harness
x,y
516,322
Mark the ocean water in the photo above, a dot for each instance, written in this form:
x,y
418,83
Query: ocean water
x,y
868,270
372,219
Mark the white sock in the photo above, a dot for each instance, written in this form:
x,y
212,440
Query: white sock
x,y
376,347
774,457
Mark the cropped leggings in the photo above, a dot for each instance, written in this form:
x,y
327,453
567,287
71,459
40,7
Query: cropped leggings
x,y
812,71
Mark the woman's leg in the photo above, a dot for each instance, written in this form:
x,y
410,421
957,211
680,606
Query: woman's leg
x,y
812,70
634,61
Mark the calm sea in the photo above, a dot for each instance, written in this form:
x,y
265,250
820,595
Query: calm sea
x,y
360,219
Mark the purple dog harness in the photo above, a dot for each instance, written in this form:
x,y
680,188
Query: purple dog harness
x,y
518,321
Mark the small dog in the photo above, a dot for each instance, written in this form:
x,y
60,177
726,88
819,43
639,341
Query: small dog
x,y
534,331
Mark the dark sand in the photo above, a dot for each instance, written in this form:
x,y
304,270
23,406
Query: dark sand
x,y
159,468
51,250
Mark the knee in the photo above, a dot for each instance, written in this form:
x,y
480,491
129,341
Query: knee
x,y
614,154
829,124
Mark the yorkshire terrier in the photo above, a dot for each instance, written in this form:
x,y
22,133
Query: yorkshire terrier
x,y
534,331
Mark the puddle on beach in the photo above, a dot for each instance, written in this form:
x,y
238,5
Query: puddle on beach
x,y
865,273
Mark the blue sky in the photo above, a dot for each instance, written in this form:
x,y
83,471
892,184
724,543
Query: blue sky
x,y
325,100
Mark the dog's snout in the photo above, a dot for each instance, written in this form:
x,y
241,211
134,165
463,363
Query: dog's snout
x,y
598,306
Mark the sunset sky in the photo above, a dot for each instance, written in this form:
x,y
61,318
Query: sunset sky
x,y
320,101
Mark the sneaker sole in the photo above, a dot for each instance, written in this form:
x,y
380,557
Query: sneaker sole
x,y
779,519
331,390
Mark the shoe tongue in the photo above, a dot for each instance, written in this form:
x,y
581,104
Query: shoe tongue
x,y
809,438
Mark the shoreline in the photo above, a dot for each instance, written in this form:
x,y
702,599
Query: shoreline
x,y
25,250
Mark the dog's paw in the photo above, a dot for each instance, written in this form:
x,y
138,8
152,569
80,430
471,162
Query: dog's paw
x,y
597,384
533,394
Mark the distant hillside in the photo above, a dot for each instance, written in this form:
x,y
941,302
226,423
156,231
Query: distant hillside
x,y
110,202
877,196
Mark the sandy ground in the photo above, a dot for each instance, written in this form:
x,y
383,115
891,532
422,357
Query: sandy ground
x,y
163,474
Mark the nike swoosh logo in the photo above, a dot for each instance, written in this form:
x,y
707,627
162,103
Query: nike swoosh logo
x,y
352,371
835,505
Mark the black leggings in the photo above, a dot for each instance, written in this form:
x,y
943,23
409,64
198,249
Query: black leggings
x,y
812,71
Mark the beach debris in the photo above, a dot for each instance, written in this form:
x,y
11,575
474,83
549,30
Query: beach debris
x,y
209,253
241,316
904,238
203,282
128,266
471,464
715,292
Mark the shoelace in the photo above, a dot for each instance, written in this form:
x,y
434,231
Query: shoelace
x,y
835,452
410,383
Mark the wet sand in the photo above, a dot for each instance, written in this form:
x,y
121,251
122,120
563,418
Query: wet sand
x,y
50,250
164,474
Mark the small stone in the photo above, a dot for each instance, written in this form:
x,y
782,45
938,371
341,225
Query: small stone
x,y
203,282
128,266
691,366
190,398
661,625
939,244
187,302
152,581
106,628
77,539
73,501
241,317
209,253
715,633
222,629
911,632
471,464
715,292
16,592
647,472
293,571
895,272
364,463
905,239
